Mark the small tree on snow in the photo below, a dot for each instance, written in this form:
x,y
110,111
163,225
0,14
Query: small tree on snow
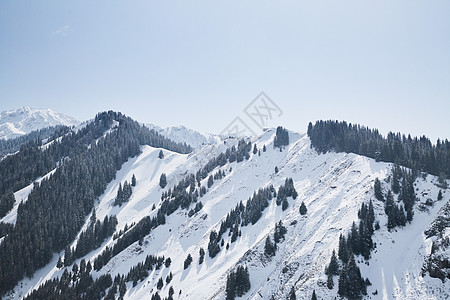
x,y
163,180
303,209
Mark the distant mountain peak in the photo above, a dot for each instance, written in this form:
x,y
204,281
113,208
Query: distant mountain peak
x,y
17,122
182,134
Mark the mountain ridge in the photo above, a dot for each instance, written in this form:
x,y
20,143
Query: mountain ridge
x,y
18,122
332,185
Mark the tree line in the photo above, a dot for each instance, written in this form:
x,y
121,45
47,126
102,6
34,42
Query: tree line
x,y
414,153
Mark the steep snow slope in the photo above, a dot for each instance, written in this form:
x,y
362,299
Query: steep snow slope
x,y
14,123
181,134
332,185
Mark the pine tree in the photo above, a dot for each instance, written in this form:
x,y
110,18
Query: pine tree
x,y
314,297
187,261
210,181
255,149
161,154
343,249
276,169
284,204
377,188
292,294
160,284
333,267
133,180
163,180
269,247
303,209
202,256
439,197
264,148
59,264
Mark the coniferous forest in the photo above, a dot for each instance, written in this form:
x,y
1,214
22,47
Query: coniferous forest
x,y
57,207
415,153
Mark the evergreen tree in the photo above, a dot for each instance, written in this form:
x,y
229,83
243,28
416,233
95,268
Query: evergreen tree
x,y
281,138
303,209
343,249
284,204
133,180
163,180
202,256
333,267
439,197
378,191
255,149
314,297
59,264
292,294
187,261
210,181
269,247
161,154
264,148
160,284
276,169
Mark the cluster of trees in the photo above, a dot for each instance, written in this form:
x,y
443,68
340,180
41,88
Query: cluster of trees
x,y
6,203
414,153
270,248
48,133
5,228
183,194
123,193
358,242
250,213
241,215
359,239
281,138
398,214
56,208
284,191
77,284
238,283
140,271
90,239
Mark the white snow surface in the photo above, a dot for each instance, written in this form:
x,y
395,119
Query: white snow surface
x,y
332,185
14,123
181,134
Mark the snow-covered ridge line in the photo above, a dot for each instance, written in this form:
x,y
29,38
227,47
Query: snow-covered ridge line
x,y
332,185
181,134
14,123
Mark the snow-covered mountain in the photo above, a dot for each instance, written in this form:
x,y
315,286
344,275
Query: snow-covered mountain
x,y
14,123
333,186
181,134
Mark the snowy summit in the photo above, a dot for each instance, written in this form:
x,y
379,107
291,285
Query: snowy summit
x,y
18,122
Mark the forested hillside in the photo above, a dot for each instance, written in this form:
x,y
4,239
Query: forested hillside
x,y
418,154
86,161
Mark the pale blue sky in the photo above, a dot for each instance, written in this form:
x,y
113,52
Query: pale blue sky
x,y
384,64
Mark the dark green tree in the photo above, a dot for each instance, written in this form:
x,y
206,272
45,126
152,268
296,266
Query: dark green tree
x,y
303,209
292,294
378,191
163,180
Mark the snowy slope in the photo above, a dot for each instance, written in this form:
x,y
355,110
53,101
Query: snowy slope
x,y
332,185
181,134
14,123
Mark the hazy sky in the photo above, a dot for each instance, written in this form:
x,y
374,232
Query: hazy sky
x,y
384,64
